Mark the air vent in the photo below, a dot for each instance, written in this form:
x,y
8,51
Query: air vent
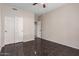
x,y
15,9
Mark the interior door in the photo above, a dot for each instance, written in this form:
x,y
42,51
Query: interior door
x,y
18,28
9,27
13,26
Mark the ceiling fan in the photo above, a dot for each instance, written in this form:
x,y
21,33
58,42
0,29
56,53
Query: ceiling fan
x,y
44,5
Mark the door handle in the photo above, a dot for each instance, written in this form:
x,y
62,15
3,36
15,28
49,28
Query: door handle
x,y
5,30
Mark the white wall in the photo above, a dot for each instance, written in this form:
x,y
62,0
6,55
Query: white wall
x,y
38,26
62,25
28,26
0,27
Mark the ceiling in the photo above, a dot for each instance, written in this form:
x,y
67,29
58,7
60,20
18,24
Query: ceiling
x,y
37,9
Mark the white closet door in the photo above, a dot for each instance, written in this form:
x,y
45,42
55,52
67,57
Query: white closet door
x,y
18,29
9,25
13,26
9,29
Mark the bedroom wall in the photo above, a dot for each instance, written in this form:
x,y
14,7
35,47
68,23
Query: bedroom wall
x,y
0,26
62,25
28,26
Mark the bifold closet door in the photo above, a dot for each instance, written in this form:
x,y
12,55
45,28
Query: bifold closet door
x,y
13,27
9,26
18,24
9,30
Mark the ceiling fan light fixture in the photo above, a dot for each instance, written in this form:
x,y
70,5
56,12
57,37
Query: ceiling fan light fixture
x,y
43,4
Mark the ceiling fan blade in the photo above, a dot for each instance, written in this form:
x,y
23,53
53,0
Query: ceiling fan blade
x,y
35,3
44,5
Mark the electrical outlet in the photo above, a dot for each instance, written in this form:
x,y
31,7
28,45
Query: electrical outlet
x,y
35,52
